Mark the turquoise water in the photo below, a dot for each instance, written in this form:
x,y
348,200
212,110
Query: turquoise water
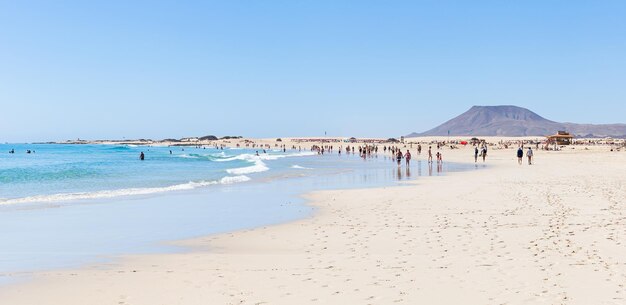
x,y
68,205
63,172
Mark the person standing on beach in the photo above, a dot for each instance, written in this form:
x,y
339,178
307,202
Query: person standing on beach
x,y
407,157
399,157
419,149
484,153
529,154
520,155
475,154
430,155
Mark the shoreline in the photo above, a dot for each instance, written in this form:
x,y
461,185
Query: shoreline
x,y
106,245
195,244
311,257
307,141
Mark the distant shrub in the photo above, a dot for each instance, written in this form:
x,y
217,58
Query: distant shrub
x,y
208,138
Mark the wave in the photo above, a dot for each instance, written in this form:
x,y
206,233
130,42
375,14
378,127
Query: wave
x,y
253,157
191,156
259,165
117,147
210,157
300,167
123,192
234,179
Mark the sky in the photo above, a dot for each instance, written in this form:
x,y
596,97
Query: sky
x,y
170,69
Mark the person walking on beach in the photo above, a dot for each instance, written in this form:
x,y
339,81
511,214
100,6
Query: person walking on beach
x,y
407,157
529,154
475,154
142,156
430,155
419,149
520,155
399,157
484,153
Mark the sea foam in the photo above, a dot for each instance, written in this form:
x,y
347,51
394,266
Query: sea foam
x,y
300,167
123,192
259,165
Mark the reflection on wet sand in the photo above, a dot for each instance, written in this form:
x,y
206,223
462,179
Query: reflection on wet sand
x,y
403,172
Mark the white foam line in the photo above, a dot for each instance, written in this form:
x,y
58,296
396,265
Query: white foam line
x,y
122,192
300,167
259,166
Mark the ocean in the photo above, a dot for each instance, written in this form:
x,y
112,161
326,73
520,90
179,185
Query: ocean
x,y
64,206
68,172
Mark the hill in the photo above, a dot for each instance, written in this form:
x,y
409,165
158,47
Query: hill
x,y
515,121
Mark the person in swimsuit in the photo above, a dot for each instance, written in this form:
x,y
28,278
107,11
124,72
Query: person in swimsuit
x,y
407,157
142,156
399,157
484,153
475,154
430,155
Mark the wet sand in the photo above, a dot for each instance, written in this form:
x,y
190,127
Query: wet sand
x,y
550,233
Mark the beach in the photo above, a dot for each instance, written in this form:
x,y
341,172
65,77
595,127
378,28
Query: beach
x,y
550,233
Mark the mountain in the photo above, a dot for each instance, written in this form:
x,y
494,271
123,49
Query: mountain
x,y
515,121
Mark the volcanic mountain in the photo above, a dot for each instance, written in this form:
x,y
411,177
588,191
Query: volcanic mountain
x,y
515,121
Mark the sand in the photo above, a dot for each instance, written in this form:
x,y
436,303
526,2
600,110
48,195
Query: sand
x,y
550,233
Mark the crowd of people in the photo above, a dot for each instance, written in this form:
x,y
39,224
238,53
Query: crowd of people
x,y
396,153
400,152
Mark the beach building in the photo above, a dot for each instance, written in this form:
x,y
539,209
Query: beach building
x,y
189,139
560,138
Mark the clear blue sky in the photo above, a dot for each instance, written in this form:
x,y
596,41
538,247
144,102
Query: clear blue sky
x,y
113,69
